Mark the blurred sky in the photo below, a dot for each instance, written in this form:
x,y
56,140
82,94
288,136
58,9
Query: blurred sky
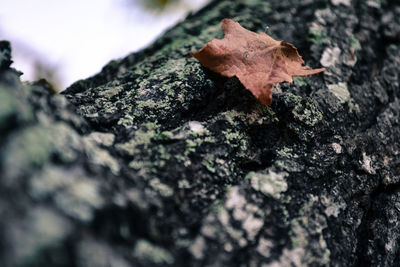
x,y
75,39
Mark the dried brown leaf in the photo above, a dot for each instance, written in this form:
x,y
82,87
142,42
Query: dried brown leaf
x,y
256,59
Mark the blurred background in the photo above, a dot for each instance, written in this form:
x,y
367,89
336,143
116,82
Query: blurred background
x,y
64,41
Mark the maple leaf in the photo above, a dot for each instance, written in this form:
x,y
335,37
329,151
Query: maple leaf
x,y
256,59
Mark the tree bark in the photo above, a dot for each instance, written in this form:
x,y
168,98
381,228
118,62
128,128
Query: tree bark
x,y
156,161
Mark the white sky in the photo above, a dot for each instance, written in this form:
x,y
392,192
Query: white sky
x,y
79,37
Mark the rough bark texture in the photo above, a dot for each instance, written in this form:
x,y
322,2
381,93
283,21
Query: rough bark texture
x,y
156,161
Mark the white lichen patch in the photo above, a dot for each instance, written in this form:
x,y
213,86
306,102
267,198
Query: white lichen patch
x,y
75,194
332,206
292,257
196,127
337,148
149,252
223,217
48,225
340,90
106,139
341,2
136,198
247,214
271,184
93,252
80,199
330,56
100,156
264,247
87,191
374,3
390,246
163,189
42,227
307,233
235,199
197,247
252,226
366,164
191,128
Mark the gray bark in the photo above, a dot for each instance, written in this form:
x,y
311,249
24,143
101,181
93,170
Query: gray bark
x,y
156,161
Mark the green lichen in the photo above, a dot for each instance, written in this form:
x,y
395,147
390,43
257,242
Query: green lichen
x,y
174,66
171,88
291,99
163,189
144,250
258,115
13,105
318,36
296,239
340,91
137,165
57,250
180,158
163,153
31,147
353,106
236,139
174,46
378,2
126,121
305,226
289,165
209,33
265,6
286,160
141,141
287,152
190,147
147,104
307,113
271,184
98,156
301,81
355,44
209,163
8,106
224,168
111,91
231,116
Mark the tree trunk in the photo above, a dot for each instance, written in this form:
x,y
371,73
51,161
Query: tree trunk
x,y
156,161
